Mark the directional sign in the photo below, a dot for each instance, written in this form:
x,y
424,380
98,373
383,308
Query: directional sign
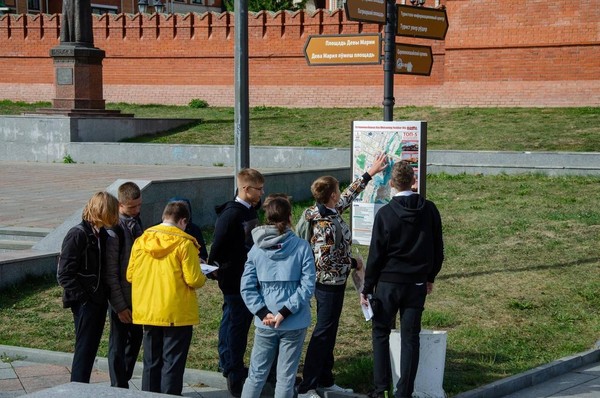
x,y
366,10
410,59
343,50
427,23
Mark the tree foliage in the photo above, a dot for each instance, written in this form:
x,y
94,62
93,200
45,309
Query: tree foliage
x,y
269,5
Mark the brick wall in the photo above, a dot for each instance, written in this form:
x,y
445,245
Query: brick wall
x,y
509,53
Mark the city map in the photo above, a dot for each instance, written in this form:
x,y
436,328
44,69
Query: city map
x,y
400,141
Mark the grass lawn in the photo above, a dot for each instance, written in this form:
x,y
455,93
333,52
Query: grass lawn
x,y
519,287
506,129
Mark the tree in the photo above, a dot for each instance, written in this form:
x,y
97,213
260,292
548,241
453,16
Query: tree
x,y
269,5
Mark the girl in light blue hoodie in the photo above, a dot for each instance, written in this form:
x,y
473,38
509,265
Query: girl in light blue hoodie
x,y
277,285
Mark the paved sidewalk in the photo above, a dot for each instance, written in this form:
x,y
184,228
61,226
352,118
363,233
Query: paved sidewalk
x,y
43,195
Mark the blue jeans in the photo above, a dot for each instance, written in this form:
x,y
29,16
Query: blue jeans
x,y
266,344
318,364
389,299
89,319
233,336
165,355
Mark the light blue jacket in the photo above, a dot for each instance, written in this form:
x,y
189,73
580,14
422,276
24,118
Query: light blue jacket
x,y
279,272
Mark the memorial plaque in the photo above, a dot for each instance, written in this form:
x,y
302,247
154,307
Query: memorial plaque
x,y
64,76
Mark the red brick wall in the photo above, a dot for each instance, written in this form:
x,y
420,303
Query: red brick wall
x,y
509,53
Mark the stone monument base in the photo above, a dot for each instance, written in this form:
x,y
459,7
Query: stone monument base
x,y
78,82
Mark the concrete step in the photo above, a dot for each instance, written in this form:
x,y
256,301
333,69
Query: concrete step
x,y
20,238
23,233
13,244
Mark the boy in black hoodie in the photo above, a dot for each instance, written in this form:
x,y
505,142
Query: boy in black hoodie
x,y
231,244
405,255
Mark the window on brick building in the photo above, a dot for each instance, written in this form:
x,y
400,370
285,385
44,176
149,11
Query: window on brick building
x,y
101,9
33,5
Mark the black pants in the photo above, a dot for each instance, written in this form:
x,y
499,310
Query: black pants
x,y
389,299
165,355
318,364
233,337
89,319
123,348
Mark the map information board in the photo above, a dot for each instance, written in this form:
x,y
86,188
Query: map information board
x,y
400,141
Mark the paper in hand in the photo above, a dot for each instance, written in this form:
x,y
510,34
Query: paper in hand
x,y
207,269
367,311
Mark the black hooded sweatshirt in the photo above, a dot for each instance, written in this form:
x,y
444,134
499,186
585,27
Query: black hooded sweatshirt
x,y
406,243
232,242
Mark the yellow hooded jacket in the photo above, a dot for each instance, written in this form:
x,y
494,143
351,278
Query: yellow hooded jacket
x,y
164,271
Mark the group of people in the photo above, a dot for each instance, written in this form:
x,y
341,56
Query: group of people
x,y
266,272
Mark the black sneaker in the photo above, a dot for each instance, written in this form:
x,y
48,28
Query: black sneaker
x,y
235,386
376,394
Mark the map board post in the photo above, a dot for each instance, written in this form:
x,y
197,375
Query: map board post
x,y
400,141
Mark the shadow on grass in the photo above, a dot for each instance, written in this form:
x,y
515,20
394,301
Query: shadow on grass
x,y
521,269
30,286
464,371
180,129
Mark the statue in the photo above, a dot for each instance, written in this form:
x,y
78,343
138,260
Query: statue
x,y
76,23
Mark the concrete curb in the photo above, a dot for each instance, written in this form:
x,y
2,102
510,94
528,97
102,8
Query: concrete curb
x,y
534,376
191,376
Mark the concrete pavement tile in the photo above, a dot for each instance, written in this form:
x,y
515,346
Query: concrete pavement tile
x,y
37,383
591,369
6,374
5,365
553,386
11,394
590,389
99,377
214,394
21,363
41,370
11,385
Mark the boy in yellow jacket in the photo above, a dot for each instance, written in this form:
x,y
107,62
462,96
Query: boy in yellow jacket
x,y
164,271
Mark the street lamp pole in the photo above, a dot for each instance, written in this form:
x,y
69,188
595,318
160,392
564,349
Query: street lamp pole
x,y
241,110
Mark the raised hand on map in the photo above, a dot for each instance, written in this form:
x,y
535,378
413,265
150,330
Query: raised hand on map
x,y
380,163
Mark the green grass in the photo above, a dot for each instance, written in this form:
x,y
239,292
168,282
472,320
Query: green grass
x,y
519,287
507,129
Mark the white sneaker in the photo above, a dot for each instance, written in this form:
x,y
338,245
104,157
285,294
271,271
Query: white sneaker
x,y
337,388
309,394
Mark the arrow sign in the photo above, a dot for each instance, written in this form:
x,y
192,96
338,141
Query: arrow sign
x,y
343,50
366,10
410,59
426,23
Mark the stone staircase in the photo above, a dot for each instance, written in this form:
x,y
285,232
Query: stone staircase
x,y
20,238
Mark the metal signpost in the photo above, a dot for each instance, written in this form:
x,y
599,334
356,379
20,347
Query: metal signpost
x,y
399,20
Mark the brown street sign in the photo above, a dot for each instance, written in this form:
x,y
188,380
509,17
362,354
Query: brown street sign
x,y
410,59
426,23
366,10
325,50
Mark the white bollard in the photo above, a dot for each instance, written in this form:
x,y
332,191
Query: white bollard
x,y
432,362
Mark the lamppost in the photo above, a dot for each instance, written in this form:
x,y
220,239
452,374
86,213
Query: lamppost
x,y
142,6
159,7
